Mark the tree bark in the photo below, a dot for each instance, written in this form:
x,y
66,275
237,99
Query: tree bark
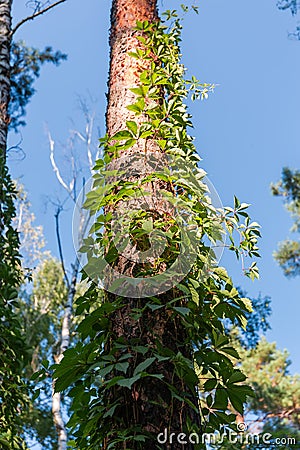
x,y
5,42
149,404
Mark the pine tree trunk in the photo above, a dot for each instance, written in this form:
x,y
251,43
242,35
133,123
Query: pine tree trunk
x,y
5,41
149,404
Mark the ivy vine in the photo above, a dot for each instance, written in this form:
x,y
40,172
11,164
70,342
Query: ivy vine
x,y
205,296
13,352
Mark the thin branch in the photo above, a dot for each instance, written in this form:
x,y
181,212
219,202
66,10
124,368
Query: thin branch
x,y
60,247
89,132
17,147
54,165
33,16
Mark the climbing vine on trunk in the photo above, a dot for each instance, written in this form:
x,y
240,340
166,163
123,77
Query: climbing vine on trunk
x,y
13,358
153,354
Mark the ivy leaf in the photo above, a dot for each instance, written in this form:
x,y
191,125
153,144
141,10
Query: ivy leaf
x,y
36,394
120,135
237,377
246,303
111,411
221,399
182,310
236,401
122,367
144,365
230,351
132,126
147,225
209,385
128,382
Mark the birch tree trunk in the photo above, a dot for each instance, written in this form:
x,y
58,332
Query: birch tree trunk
x,y
5,41
64,345
149,405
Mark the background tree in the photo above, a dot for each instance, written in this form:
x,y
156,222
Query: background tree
x,y
288,253
275,407
25,66
46,301
17,76
13,352
293,6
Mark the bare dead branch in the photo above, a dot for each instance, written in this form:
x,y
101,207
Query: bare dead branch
x,y
55,167
34,15
60,247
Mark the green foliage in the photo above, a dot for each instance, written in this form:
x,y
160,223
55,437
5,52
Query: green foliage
x,y
32,248
288,254
13,351
277,392
40,309
206,297
26,64
274,410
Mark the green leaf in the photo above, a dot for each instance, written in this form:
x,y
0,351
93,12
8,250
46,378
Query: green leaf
x,y
122,367
237,203
132,126
140,349
45,363
209,385
237,377
65,381
219,340
36,394
147,225
135,108
154,307
120,135
111,411
139,438
182,310
35,375
221,399
230,351
144,365
128,382
247,304
105,370
236,401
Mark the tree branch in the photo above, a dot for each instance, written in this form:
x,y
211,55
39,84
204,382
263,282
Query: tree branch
x,y
60,247
33,16
55,167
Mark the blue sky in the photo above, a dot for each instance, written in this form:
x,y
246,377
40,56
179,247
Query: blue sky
x,y
245,133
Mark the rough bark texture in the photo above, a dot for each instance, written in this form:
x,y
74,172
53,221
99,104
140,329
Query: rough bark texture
x,y
5,41
149,403
125,70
